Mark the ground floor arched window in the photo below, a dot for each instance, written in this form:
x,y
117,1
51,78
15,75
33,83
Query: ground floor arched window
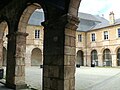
x,y
107,59
118,57
36,57
80,57
94,58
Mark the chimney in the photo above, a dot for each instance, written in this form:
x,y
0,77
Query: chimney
x,y
111,18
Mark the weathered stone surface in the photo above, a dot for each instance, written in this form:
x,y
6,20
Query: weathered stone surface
x,y
55,71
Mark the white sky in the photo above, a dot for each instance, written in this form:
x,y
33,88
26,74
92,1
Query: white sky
x,y
99,7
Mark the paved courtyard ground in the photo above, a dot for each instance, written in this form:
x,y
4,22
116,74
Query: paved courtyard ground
x,y
87,78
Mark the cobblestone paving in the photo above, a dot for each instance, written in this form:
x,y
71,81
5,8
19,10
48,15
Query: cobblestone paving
x,y
87,78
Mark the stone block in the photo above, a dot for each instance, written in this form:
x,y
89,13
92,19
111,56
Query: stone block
x,y
67,40
69,72
53,71
19,80
66,85
60,84
70,50
70,32
20,70
69,60
73,42
46,82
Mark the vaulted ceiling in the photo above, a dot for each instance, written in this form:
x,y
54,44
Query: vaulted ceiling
x,y
3,3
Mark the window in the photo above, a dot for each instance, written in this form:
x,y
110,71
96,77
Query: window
x,y
118,57
79,38
94,58
119,32
93,36
107,59
105,35
37,33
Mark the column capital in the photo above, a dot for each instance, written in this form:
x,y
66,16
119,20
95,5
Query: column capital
x,y
68,20
21,33
17,33
72,22
13,35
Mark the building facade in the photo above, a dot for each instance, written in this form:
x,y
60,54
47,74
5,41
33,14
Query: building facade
x,y
97,41
100,44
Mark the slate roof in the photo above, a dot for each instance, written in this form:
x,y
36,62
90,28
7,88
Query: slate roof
x,y
86,16
103,23
88,22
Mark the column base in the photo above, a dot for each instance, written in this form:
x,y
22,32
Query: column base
x,y
16,87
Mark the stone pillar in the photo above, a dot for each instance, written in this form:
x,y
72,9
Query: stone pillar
x,y
59,54
70,53
89,60
1,52
100,60
85,59
114,60
15,72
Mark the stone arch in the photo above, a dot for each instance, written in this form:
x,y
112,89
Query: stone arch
x,y
116,49
26,15
36,57
73,7
80,58
3,26
118,56
94,58
102,49
107,58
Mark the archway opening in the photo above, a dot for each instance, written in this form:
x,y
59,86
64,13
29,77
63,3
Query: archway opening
x,y
107,59
118,57
36,57
30,22
80,60
94,58
3,46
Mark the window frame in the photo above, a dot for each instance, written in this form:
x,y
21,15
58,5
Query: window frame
x,y
37,34
106,35
79,37
118,32
93,37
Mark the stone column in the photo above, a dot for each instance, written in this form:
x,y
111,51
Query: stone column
x,y
100,60
88,60
85,59
1,52
15,72
114,60
59,54
70,53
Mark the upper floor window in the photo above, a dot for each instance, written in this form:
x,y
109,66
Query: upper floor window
x,y
37,33
105,35
119,32
93,36
79,38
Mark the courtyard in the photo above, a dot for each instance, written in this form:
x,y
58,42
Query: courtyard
x,y
87,78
